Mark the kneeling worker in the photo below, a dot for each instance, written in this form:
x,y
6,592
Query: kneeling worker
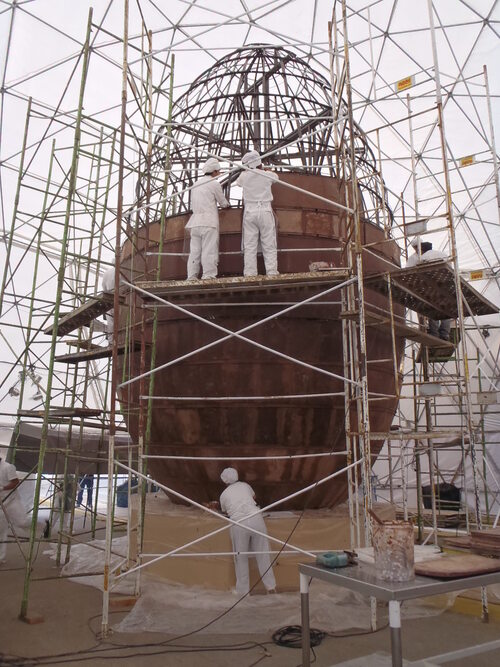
x,y
238,502
204,223
258,217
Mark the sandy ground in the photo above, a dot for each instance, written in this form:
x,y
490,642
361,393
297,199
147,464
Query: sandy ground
x,y
69,633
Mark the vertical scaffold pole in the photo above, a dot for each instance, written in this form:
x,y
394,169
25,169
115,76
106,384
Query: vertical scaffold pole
x,y
116,306
463,343
20,175
141,507
60,283
336,101
492,137
362,394
29,326
362,404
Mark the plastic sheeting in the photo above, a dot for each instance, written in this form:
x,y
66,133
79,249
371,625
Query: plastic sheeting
x,y
176,609
179,609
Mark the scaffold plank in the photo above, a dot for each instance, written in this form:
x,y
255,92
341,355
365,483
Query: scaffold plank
x,y
413,435
83,315
402,330
94,353
61,412
238,284
83,344
429,289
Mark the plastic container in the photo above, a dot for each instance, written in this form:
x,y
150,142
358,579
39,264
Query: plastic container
x,y
394,553
332,559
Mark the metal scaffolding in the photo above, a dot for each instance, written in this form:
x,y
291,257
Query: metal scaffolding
x,y
89,184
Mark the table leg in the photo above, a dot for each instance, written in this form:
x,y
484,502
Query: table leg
x,y
304,612
395,625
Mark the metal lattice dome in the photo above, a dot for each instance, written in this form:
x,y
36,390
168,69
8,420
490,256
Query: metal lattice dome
x,y
264,98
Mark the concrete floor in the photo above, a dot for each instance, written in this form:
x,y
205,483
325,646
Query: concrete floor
x,y
71,625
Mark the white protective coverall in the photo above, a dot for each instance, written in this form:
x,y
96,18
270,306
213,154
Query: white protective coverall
x,y
439,328
258,217
204,224
108,285
238,501
12,507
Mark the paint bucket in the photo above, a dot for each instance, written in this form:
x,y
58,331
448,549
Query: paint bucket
x,y
393,548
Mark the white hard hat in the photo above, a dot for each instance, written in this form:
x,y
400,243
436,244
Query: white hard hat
x,y
210,166
251,159
229,475
416,242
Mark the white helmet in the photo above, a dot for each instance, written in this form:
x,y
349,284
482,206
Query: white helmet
x,y
251,159
210,166
229,476
416,242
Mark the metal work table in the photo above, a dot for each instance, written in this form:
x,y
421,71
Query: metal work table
x,y
361,578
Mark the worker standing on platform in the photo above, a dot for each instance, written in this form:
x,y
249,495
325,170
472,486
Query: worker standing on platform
x,y
204,223
258,216
11,508
238,502
425,253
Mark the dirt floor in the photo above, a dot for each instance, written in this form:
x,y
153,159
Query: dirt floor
x,y
69,633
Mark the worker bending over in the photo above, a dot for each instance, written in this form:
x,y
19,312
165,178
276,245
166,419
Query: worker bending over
x,y
425,253
238,502
258,216
204,223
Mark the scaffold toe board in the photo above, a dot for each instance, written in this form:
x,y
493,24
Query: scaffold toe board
x,y
238,284
61,412
83,315
429,289
94,353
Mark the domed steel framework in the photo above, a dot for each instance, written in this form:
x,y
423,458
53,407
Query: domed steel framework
x,y
266,98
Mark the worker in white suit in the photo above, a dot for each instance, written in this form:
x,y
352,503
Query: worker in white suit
x,y
108,285
203,225
424,252
238,502
258,216
12,510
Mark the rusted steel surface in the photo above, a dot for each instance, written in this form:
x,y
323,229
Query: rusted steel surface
x,y
312,334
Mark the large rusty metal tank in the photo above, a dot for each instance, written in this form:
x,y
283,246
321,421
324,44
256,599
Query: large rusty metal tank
x,y
234,398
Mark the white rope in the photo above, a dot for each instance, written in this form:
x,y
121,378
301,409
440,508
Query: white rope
x,y
238,398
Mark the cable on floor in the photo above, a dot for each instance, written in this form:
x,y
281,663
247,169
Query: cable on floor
x,y
290,636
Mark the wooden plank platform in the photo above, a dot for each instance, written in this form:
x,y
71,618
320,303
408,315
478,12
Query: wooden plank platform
x,y
61,412
429,289
238,284
84,314
83,344
94,353
402,330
